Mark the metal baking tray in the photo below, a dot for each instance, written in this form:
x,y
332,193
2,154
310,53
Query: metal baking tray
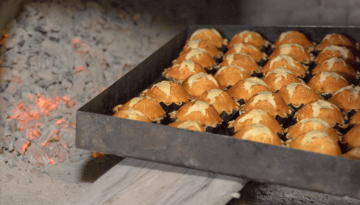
x,y
98,131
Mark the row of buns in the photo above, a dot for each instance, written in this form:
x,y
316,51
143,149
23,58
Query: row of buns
x,y
197,100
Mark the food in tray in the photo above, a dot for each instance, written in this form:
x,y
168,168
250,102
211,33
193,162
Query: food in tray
x,y
310,124
222,101
352,137
347,98
180,71
336,51
250,37
132,114
242,60
258,133
285,61
316,141
198,55
295,37
270,102
229,75
298,94
327,82
279,77
249,49
353,153
203,44
203,113
146,105
188,125
212,35
295,51
256,116
168,92
337,65
198,83
322,109
355,119
337,40
245,89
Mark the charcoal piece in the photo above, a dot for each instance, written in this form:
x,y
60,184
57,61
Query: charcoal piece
x,y
21,145
257,74
37,155
8,142
307,77
172,107
326,96
226,117
262,62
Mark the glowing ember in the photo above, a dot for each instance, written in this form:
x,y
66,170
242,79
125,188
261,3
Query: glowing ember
x,y
24,147
76,40
79,68
60,121
98,155
52,161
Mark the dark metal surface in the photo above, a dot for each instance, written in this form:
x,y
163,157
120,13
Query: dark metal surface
x,y
98,131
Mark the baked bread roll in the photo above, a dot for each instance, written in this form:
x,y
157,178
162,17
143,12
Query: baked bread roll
x,y
211,35
336,51
242,60
316,141
245,89
355,119
198,83
327,82
353,153
347,98
298,94
284,61
337,65
222,101
270,102
203,44
198,55
203,113
132,114
229,75
295,51
248,37
337,40
256,116
280,77
310,124
180,71
294,37
352,137
258,133
249,49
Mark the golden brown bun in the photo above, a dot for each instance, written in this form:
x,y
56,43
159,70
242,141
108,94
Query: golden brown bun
x,y
295,51
310,124
323,110
253,117
248,37
168,92
337,65
245,89
204,44
212,35
280,77
202,112
241,60
132,114
296,38
220,100
146,105
352,137
355,119
347,98
229,75
337,40
188,125
298,94
327,82
335,51
285,61
316,141
198,83
258,133
353,154
198,55
269,102
180,71
247,48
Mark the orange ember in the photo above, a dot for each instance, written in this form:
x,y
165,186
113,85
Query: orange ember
x,y
98,155
60,121
24,147
76,40
52,161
